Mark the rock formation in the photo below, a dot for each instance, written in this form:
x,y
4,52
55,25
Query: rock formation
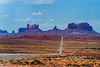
x,y
84,26
29,28
80,29
33,29
21,30
3,31
55,30
72,26
13,32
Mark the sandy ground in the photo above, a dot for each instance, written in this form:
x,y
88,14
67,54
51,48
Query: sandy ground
x,y
6,57
10,65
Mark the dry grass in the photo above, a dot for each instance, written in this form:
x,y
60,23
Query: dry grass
x,y
74,51
43,46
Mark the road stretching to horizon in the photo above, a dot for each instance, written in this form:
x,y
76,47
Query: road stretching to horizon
x,y
19,56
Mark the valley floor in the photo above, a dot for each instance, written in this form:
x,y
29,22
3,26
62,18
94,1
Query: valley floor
x,y
78,51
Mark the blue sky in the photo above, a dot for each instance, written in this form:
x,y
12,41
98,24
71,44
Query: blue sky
x,y
48,13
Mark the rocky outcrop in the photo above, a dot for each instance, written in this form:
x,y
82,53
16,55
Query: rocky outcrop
x,y
55,30
3,31
80,29
30,29
33,29
72,26
80,26
21,30
84,26
13,32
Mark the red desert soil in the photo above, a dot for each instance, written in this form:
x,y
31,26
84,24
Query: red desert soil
x,y
47,43
75,46
54,37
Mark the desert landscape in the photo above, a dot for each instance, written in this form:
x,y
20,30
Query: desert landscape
x,y
76,46
78,50
49,33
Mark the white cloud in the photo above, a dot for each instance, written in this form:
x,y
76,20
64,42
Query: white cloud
x,y
4,1
62,26
24,20
33,20
27,1
40,2
18,20
51,19
47,24
38,13
28,19
4,15
39,19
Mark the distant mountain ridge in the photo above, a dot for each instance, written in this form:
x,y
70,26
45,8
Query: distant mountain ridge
x,y
72,28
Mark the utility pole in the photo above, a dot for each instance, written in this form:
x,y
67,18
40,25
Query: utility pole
x,y
60,52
